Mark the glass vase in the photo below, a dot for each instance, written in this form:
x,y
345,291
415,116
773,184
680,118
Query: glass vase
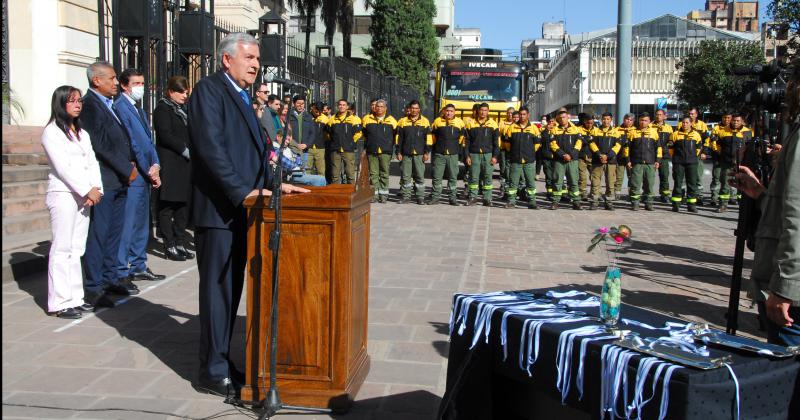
x,y
611,298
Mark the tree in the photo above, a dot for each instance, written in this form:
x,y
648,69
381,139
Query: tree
x,y
307,8
404,40
706,77
339,12
787,13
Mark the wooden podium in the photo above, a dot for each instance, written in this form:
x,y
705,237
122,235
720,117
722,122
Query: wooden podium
x,y
323,289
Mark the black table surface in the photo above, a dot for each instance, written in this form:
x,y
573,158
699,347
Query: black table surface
x,y
481,385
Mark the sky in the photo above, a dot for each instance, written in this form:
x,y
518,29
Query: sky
x,y
507,22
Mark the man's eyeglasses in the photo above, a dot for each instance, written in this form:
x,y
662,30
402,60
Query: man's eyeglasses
x,y
263,91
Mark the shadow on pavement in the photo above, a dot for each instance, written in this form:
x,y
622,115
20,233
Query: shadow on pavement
x,y
414,405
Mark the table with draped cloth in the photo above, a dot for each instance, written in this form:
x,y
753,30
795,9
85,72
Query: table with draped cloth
x,y
483,384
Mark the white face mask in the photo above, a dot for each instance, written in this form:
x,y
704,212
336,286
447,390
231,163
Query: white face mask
x,y
137,93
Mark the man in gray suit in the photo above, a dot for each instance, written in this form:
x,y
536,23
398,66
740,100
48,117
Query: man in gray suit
x,y
269,119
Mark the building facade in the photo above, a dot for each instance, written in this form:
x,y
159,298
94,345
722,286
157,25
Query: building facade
x,y
538,53
738,16
51,42
582,77
361,38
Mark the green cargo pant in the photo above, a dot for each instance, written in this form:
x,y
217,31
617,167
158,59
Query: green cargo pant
x,y
583,176
412,169
518,172
600,170
570,169
643,177
549,178
504,169
379,172
720,190
440,163
621,170
681,172
346,161
664,173
316,161
480,175
701,167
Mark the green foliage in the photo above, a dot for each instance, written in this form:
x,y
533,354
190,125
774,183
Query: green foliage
x,y
787,12
404,40
12,108
706,80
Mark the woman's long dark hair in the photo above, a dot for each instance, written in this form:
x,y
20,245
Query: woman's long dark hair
x,y
58,111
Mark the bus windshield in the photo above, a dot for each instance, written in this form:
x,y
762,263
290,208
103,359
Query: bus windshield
x,y
494,86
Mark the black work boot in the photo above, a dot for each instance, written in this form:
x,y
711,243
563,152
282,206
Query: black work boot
x,y
648,206
593,205
676,207
723,207
576,205
609,206
635,205
692,208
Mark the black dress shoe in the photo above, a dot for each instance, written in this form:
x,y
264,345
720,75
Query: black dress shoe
x,y
224,387
186,254
147,274
85,307
172,253
124,287
98,300
69,313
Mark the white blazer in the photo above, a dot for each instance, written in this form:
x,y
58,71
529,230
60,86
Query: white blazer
x,y
73,165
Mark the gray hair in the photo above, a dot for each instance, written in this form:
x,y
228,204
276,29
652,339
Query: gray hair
x,y
97,67
629,116
380,101
229,43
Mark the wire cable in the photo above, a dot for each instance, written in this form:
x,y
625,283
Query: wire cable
x,y
224,413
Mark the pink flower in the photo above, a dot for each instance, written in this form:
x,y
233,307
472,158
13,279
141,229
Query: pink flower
x,y
618,239
602,230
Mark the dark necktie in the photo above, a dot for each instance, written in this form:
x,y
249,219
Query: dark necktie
x,y
142,115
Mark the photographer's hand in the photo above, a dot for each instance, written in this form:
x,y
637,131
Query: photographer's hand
x,y
778,310
746,181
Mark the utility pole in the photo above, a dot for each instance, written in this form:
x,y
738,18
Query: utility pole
x,y
623,60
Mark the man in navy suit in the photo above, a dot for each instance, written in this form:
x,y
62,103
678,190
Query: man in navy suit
x,y
230,155
132,255
117,169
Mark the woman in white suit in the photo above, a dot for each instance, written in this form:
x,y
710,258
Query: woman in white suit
x,y
74,187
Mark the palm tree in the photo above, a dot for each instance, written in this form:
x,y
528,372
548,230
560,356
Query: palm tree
x,y
346,20
309,9
330,9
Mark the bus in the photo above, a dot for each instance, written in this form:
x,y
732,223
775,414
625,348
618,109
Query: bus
x,y
477,79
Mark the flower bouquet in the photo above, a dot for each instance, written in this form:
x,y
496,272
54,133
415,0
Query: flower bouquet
x,y
612,239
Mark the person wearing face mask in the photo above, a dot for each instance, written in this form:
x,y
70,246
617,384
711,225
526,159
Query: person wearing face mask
x,y
132,254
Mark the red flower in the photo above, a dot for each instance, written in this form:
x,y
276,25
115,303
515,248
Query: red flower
x,y
618,239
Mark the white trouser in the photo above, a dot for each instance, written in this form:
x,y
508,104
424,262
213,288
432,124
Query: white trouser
x,y
69,221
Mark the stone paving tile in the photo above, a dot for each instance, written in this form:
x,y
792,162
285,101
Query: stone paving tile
x,y
143,354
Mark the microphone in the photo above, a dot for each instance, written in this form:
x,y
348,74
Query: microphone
x,y
272,79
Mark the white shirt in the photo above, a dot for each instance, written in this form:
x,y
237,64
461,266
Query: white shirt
x,y
73,165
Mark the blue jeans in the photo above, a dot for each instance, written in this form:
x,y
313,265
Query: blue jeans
x,y
784,336
308,179
135,232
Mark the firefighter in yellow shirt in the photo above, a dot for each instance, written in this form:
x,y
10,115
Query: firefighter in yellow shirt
x,y
502,158
523,141
379,130
685,146
344,130
482,141
587,127
727,146
628,124
413,150
447,134
702,129
643,152
724,125
565,143
664,170
605,146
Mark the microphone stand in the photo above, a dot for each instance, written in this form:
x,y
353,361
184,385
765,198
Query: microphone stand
x,y
271,404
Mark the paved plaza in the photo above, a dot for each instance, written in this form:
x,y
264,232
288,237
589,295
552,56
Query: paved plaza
x,y
138,360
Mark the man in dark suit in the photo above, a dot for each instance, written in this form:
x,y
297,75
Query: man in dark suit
x,y
117,168
230,155
132,255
